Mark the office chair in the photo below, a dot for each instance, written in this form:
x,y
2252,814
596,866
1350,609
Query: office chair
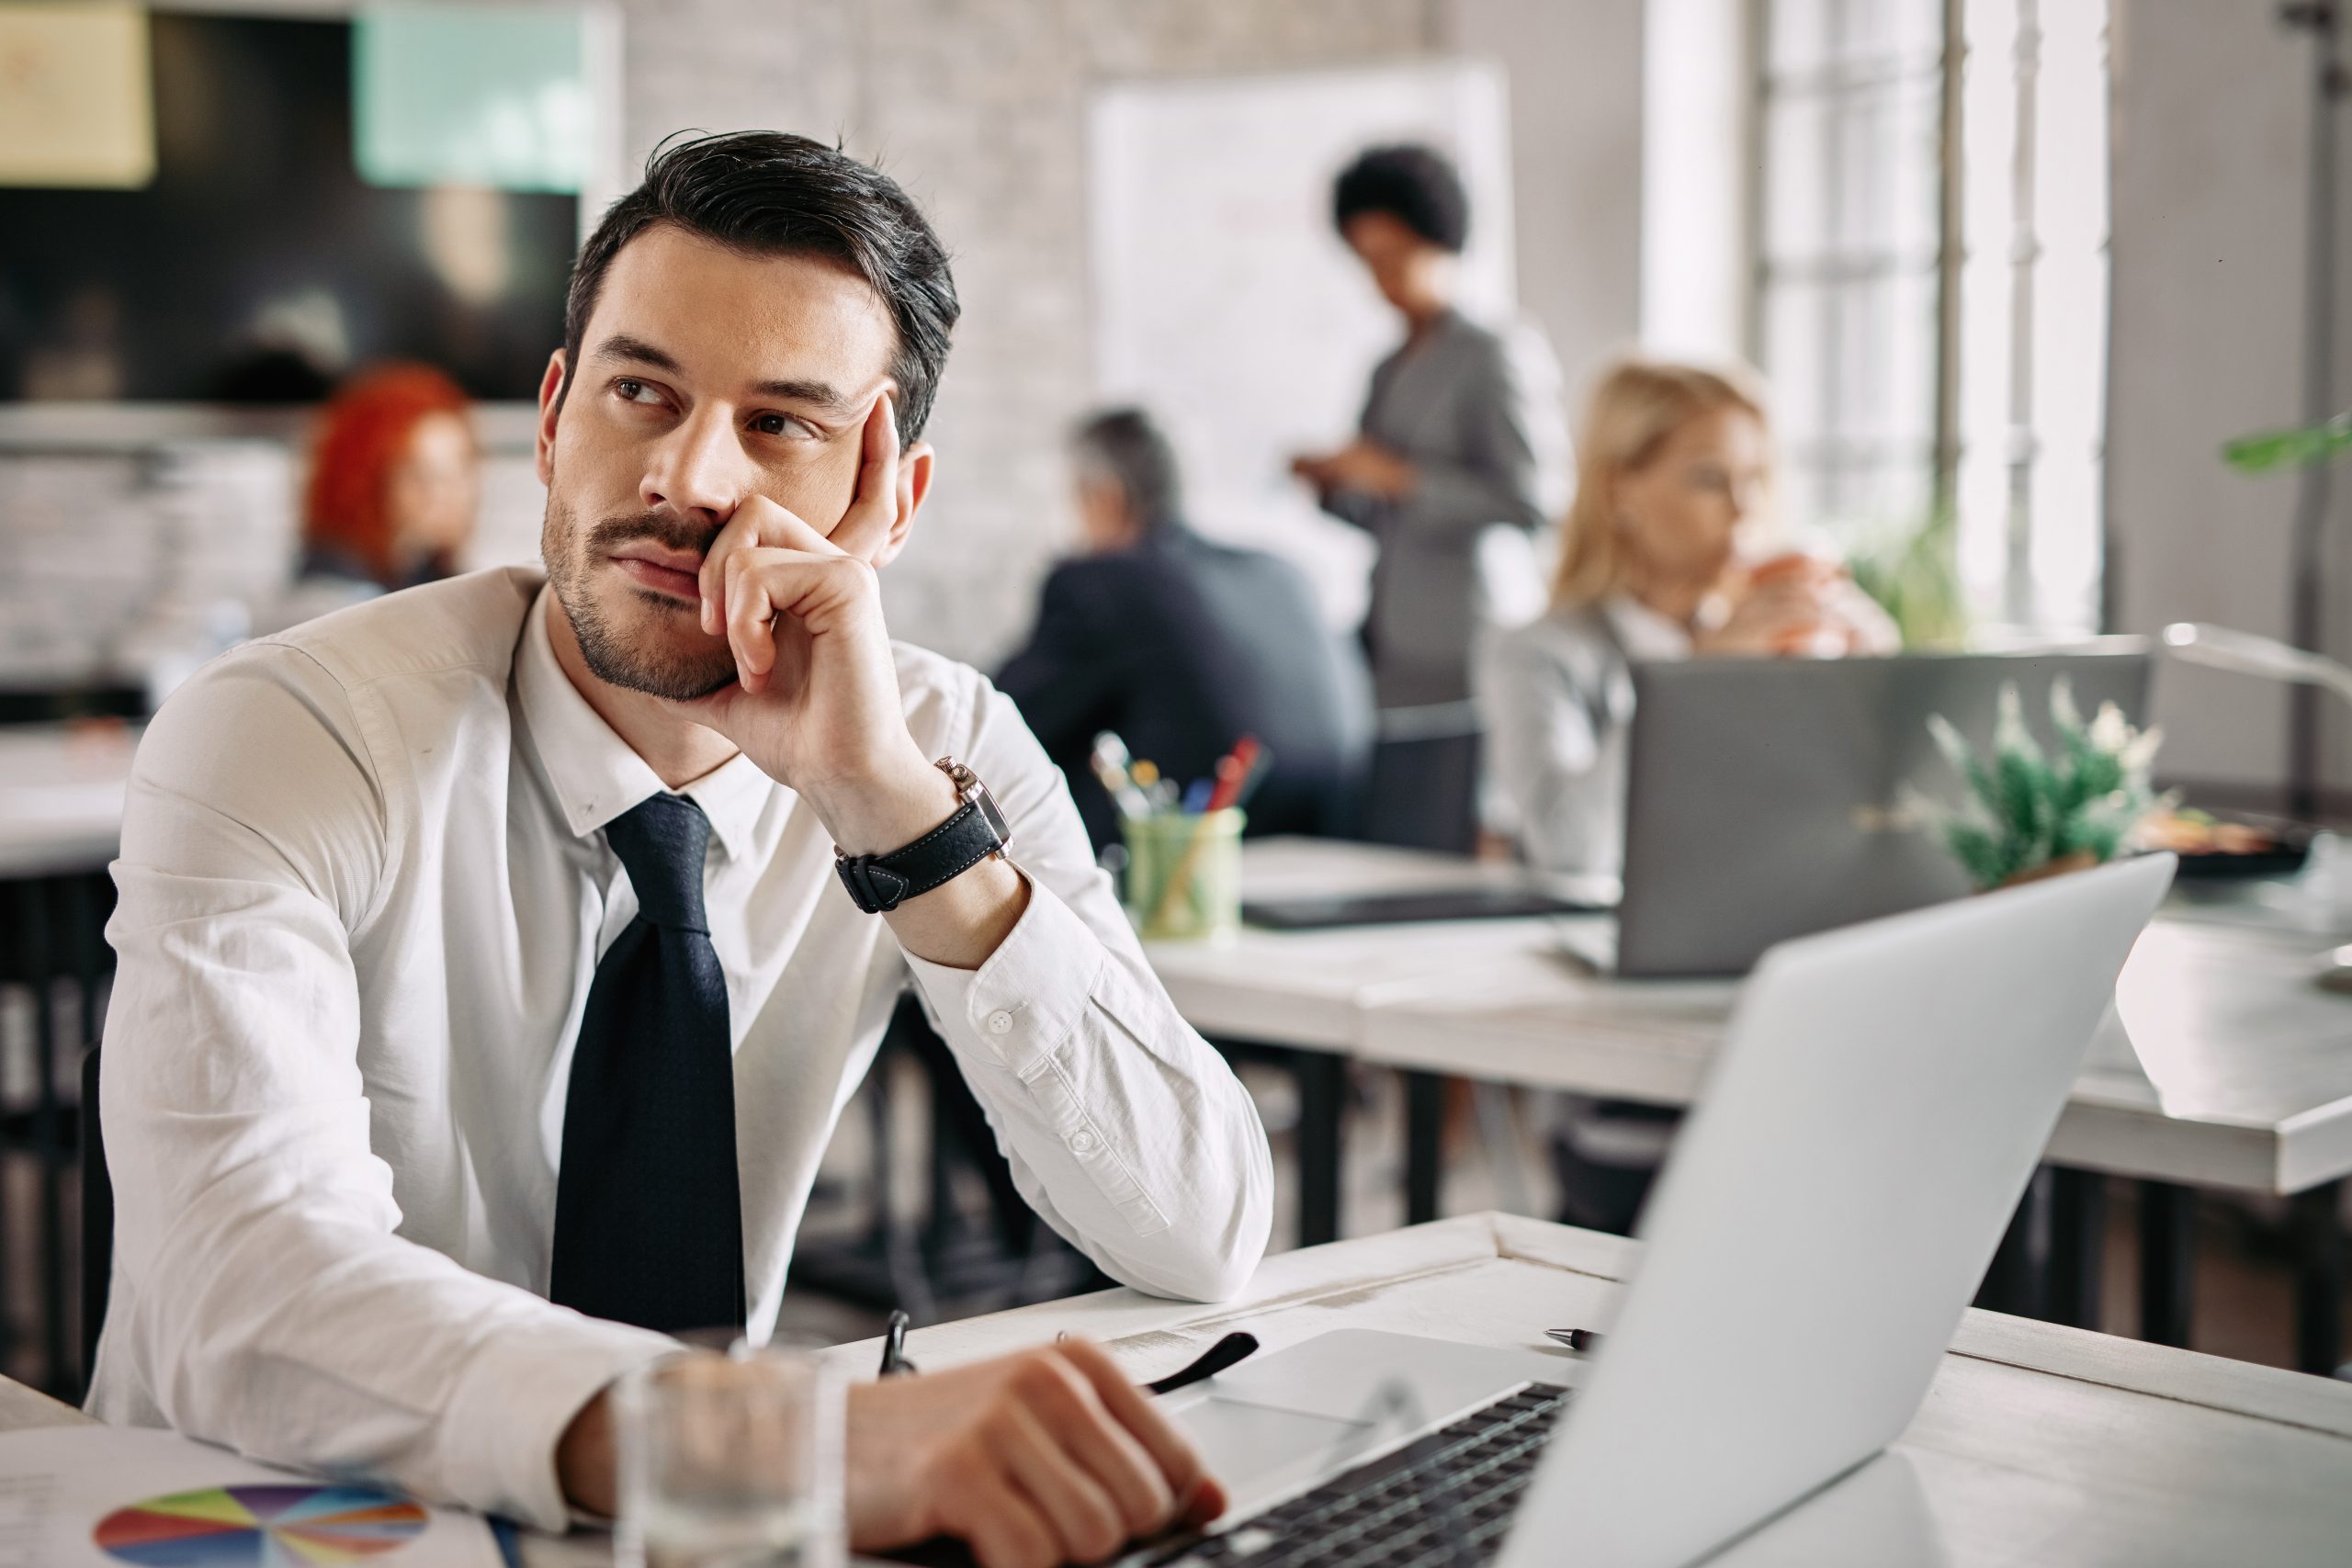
x,y
1423,789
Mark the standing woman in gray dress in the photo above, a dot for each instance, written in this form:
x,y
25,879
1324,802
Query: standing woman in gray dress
x,y
1461,433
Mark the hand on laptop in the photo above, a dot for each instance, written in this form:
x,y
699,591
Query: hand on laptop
x,y
1043,1457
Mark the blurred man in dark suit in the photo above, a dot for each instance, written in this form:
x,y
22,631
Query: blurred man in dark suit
x,y
1183,646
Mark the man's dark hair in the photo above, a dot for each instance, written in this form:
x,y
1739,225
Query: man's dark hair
x,y
1127,446
1415,185
772,193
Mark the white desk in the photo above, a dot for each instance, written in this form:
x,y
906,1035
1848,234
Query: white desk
x,y
2038,1445
2231,1071
1317,988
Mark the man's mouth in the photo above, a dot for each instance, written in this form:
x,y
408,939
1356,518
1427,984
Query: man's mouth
x,y
672,573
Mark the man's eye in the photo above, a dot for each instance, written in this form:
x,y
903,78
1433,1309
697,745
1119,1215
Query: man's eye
x,y
633,391
779,424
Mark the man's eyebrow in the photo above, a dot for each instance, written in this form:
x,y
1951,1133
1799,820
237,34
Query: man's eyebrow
x,y
622,347
822,395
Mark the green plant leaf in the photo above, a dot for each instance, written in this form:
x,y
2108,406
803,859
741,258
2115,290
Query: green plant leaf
x,y
1978,851
1912,571
2266,450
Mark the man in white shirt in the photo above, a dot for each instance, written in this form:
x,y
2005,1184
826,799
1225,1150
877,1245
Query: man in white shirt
x,y
489,988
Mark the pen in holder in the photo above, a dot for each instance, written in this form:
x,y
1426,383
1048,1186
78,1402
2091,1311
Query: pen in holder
x,y
1184,874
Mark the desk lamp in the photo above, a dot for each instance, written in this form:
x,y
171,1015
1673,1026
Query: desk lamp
x,y
2222,648
2247,654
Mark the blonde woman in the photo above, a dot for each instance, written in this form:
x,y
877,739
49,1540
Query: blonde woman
x,y
1675,469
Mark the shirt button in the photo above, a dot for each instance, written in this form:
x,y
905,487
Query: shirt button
x,y
1081,1143
999,1023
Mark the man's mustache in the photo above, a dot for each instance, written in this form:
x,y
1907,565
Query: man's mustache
x,y
664,528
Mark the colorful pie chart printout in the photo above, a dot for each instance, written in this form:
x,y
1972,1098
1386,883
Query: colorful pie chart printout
x,y
261,1526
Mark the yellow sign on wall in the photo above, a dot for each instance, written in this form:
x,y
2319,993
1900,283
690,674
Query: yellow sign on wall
x,y
76,105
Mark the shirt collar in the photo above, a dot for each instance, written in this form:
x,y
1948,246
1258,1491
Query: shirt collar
x,y
595,773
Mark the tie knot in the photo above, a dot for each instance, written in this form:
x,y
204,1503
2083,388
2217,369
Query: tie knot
x,y
660,842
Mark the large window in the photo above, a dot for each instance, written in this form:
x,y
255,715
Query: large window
x,y
1931,281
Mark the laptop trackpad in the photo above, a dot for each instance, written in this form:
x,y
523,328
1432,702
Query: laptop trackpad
x,y
1259,1452
1365,1374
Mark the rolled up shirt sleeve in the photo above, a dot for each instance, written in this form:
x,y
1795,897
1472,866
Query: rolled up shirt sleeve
x,y
263,1296
1125,1129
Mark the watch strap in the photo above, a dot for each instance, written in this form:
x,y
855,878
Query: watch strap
x,y
878,883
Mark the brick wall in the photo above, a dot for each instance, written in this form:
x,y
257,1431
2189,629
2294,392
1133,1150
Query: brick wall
x,y
977,105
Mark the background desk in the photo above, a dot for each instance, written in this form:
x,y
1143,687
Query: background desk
x,y
2233,1070
61,797
2038,1444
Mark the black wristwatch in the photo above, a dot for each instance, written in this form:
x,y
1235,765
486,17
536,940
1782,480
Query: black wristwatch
x,y
877,883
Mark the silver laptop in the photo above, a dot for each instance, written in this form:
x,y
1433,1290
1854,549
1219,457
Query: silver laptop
x,y
1762,796
1865,1133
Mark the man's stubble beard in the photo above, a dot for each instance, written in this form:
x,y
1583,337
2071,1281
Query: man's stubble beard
x,y
646,661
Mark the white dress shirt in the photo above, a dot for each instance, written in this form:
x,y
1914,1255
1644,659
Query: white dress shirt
x,y
363,891
1557,697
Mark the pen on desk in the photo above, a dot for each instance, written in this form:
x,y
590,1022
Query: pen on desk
x,y
1575,1339
1198,795
894,1347
1225,1354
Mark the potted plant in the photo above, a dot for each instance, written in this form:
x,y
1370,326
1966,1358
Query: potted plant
x,y
2033,813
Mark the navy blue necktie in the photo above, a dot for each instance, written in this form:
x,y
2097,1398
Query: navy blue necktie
x,y
648,1213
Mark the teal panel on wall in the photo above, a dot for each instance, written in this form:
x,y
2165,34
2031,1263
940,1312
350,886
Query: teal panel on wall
x,y
493,95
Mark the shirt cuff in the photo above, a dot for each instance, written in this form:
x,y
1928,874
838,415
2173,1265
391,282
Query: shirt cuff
x,y
1024,1000
516,1400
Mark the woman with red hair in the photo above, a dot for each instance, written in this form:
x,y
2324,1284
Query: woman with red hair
x,y
395,483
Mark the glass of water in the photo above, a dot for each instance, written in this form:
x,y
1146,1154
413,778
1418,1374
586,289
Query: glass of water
x,y
731,1460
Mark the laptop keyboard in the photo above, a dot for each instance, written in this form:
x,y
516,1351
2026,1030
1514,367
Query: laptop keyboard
x,y
1442,1501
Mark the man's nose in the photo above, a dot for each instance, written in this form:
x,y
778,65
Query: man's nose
x,y
697,470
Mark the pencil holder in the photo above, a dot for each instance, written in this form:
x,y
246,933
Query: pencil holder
x,y
1184,876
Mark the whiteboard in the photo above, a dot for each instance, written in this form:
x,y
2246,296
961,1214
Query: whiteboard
x,y
1226,303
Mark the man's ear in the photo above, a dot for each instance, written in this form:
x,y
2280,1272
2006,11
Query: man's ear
x,y
914,484
550,394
